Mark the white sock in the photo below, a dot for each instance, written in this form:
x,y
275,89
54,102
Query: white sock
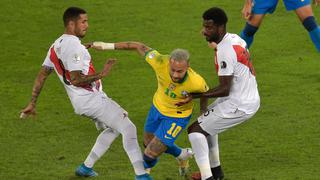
x,y
131,146
201,153
103,142
213,150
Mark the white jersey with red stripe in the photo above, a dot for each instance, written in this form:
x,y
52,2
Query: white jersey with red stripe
x,y
68,54
232,58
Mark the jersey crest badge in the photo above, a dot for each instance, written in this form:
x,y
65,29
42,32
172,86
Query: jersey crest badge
x,y
223,65
152,55
76,58
184,93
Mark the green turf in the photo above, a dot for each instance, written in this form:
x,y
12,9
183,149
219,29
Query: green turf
x,y
281,142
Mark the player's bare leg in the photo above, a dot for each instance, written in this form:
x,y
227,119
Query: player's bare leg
x,y
306,17
153,150
304,12
251,28
147,137
182,158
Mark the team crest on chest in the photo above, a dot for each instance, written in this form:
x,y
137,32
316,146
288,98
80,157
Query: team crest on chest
x,y
184,93
169,91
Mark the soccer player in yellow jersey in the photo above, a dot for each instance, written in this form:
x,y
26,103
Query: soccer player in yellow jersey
x,y
166,120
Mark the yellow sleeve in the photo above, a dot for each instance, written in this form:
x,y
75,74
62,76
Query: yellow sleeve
x,y
155,59
202,85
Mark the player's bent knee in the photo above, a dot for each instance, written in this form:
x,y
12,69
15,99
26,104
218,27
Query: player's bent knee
x,y
128,127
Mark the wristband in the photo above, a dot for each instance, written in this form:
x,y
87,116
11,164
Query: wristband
x,y
104,46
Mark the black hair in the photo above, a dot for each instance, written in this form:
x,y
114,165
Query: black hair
x,y
71,14
217,15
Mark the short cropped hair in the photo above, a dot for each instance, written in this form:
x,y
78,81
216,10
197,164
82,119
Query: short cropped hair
x,y
217,15
180,55
72,14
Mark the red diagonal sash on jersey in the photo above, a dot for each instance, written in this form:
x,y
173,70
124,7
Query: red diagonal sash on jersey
x,y
93,71
243,57
59,67
62,71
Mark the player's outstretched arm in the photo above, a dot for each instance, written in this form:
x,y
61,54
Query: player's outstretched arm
x,y
141,48
78,79
30,109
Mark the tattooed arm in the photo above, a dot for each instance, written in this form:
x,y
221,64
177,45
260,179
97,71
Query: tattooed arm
x,y
78,79
44,72
141,48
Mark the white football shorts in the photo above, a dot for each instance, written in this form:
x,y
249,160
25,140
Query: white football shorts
x,y
214,121
101,109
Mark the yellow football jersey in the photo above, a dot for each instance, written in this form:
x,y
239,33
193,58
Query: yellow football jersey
x,y
169,92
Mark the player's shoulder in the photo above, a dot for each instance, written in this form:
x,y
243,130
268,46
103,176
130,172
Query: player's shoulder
x,y
154,55
229,45
194,76
69,41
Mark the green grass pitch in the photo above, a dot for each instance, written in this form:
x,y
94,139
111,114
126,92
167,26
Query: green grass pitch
x,y
281,142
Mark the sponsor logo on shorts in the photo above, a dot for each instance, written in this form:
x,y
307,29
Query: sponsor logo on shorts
x,y
167,137
208,112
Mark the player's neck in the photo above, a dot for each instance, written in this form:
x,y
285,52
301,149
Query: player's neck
x,y
221,37
70,32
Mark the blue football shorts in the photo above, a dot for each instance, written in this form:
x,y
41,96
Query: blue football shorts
x,y
167,129
269,6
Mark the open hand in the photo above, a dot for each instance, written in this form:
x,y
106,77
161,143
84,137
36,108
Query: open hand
x,y
107,67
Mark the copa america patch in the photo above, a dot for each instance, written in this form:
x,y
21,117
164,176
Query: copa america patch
x,y
223,64
152,55
76,58
184,93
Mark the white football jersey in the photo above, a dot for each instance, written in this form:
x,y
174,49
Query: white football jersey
x,y
68,54
232,58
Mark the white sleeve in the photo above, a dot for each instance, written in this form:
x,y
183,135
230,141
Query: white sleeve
x,y
226,60
74,57
47,62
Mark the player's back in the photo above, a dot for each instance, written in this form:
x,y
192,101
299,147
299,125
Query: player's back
x,y
233,58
